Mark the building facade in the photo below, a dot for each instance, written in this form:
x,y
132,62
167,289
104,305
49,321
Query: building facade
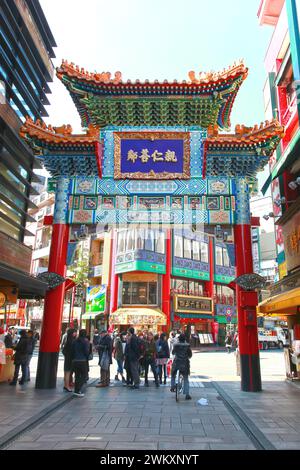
x,y
26,50
282,99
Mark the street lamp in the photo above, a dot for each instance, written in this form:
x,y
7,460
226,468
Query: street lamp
x,y
279,202
270,215
294,184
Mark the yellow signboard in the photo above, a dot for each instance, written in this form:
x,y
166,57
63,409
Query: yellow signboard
x,y
2,299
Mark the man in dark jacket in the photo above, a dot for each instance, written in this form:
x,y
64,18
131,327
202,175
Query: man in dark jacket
x,y
182,353
21,356
31,342
150,357
96,339
104,347
133,356
80,355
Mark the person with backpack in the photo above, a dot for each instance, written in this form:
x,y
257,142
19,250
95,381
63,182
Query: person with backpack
x,y
80,355
129,381
141,342
21,357
119,355
149,359
228,342
105,358
90,358
133,355
67,353
182,353
163,355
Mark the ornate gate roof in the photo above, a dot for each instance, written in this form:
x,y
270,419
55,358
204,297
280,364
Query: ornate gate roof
x,y
203,100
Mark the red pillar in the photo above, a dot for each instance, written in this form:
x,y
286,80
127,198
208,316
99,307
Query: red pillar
x,y
53,309
114,278
166,281
211,268
247,321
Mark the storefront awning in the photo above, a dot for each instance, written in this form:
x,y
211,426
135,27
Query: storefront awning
x,y
28,286
138,316
286,303
91,315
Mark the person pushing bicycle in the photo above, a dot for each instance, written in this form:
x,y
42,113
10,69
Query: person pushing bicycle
x,y
182,353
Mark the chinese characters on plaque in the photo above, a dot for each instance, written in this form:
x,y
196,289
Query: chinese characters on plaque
x,y
168,156
152,155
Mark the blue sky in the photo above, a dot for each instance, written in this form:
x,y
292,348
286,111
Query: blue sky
x,y
159,39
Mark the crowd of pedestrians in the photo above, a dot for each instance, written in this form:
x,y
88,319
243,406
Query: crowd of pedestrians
x,y
137,353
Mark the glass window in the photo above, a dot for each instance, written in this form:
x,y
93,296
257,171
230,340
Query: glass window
x,y
139,293
10,229
192,287
196,250
160,243
121,242
12,196
130,240
225,257
9,176
152,293
198,288
204,252
178,249
126,293
149,241
219,255
139,239
187,251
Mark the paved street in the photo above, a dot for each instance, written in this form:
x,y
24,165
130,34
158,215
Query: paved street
x,y
118,418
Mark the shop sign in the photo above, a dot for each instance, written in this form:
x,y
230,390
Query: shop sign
x,y
192,304
152,155
282,270
141,266
2,299
96,299
138,316
291,236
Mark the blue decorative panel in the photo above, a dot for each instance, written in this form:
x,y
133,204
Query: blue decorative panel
x,y
223,310
242,215
63,189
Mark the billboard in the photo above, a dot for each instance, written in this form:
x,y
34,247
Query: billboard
x,y
96,299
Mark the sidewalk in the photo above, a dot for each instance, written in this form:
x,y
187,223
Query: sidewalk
x,y
19,404
275,411
150,418
147,419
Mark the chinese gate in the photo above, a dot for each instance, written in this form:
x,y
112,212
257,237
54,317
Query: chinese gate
x,y
153,154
